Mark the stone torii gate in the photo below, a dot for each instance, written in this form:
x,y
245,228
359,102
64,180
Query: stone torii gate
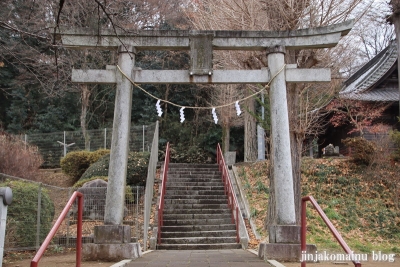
x,y
201,45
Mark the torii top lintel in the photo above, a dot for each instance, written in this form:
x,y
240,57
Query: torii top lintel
x,y
321,37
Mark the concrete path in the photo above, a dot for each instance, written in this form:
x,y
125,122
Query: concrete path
x,y
198,258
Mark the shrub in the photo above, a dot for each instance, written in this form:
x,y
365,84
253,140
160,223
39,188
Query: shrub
x,y
362,150
395,136
76,163
18,158
137,168
191,154
22,214
189,147
136,173
98,154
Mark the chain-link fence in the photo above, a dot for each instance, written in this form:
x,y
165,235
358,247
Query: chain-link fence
x,y
37,206
53,146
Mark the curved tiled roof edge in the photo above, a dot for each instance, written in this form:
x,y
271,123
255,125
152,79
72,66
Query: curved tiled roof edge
x,y
369,64
359,85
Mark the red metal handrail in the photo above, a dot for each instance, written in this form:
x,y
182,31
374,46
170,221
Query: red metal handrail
x,y
162,194
335,233
232,200
46,242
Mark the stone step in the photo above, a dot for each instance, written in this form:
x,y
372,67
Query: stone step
x,y
168,202
210,172
197,211
194,171
197,206
194,180
220,233
198,188
195,192
199,246
194,197
172,216
210,221
179,177
191,228
179,183
191,165
198,240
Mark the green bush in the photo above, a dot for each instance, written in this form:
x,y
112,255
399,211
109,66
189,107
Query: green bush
x,y
76,163
99,168
22,214
187,146
98,154
191,154
136,173
395,136
362,150
138,163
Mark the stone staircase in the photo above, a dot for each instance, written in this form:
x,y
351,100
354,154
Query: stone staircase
x,y
196,213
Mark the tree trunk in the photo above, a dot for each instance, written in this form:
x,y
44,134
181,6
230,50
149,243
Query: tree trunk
x,y
225,138
250,132
166,95
85,96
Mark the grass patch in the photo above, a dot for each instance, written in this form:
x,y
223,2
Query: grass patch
x,y
364,210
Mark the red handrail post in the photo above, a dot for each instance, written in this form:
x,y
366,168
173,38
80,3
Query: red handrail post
x,y
162,193
46,242
218,157
237,224
303,232
79,232
228,189
331,227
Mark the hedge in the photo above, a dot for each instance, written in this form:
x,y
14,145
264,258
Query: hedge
x,y
76,163
22,213
136,173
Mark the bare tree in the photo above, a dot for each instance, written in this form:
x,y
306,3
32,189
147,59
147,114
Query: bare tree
x,y
359,114
304,100
30,45
123,16
227,117
233,15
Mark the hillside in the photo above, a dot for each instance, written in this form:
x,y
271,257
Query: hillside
x,y
362,202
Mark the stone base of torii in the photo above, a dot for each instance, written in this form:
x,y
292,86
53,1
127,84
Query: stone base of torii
x,y
284,238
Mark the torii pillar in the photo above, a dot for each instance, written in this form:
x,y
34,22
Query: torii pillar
x,y
112,241
285,237
113,213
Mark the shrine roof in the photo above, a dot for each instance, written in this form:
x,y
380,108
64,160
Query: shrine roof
x,y
375,81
